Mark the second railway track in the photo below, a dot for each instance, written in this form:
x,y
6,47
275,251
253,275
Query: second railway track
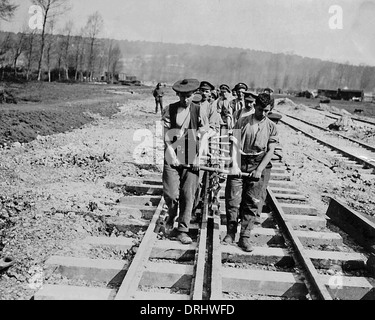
x,y
356,154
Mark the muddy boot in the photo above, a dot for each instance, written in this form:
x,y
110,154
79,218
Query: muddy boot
x,y
231,234
246,228
229,238
245,244
184,238
169,224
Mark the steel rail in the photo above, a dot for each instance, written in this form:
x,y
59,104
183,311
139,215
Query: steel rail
x,y
199,287
133,276
364,145
318,291
337,116
347,154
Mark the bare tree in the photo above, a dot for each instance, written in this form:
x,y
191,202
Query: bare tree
x,y
60,52
109,76
66,45
114,57
102,56
77,44
18,47
7,10
93,27
30,50
82,56
79,47
62,47
5,46
51,9
50,41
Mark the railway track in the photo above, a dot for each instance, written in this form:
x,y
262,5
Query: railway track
x,y
296,254
354,153
337,116
355,141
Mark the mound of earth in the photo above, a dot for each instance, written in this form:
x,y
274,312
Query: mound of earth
x,y
24,125
332,109
284,102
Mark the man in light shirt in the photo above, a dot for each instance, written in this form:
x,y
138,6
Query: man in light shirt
x,y
183,128
253,145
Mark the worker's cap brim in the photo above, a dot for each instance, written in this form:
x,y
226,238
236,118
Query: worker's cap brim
x,y
205,85
186,85
225,87
240,86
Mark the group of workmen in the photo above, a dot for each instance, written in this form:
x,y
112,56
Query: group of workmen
x,y
201,119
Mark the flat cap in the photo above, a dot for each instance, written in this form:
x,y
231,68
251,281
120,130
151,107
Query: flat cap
x,y
225,87
186,85
205,85
240,86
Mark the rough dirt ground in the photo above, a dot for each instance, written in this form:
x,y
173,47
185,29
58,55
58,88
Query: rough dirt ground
x,y
318,181
56,188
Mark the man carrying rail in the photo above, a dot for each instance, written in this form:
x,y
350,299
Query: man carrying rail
x,y
254,141
183,128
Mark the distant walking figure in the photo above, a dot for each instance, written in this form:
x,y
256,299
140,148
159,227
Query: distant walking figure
x,y
158,95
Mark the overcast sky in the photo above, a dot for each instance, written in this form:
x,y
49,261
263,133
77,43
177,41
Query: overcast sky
x,y
299,26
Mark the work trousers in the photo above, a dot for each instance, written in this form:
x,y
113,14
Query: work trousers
x,y
179,189
159,101
244,200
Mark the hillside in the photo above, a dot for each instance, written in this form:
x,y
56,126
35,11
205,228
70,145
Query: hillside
x,y
155,61
168,62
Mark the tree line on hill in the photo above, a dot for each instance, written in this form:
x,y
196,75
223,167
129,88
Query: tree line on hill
x,y
169,62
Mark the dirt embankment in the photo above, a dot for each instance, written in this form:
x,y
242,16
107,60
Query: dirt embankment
x,y
317,173
45,109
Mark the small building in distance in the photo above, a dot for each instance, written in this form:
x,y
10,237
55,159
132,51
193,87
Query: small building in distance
x,y
328,93
342,94
306,94
121,78
369,97
128,80
347,94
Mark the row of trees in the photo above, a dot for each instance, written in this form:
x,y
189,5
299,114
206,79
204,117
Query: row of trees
x,y
61,54
288,72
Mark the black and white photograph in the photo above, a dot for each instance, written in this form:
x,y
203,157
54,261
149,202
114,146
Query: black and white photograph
x,y
187,156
